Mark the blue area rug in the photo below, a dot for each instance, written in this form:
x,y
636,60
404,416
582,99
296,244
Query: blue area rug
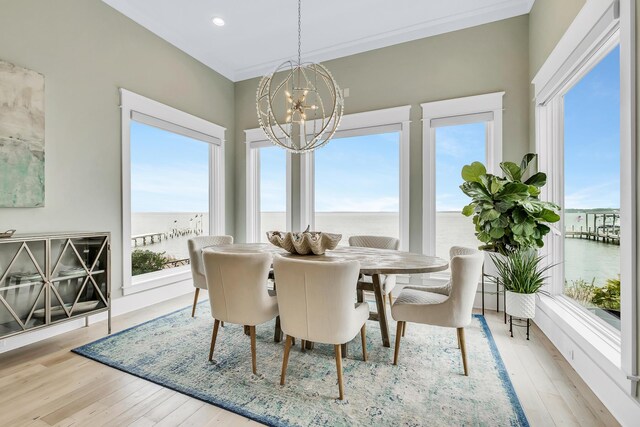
x,y
426,388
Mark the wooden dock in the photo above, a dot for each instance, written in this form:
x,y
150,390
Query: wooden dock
x,y
147,238
599,227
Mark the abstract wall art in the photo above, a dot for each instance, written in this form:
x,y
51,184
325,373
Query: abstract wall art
x,y
21,137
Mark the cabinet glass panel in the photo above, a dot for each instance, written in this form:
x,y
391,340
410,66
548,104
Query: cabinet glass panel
x,y
22,293
78,276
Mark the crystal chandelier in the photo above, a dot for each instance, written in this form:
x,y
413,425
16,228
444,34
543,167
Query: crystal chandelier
x,y
300,104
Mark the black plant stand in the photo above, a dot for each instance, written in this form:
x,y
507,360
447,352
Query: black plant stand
x,y
504,295
520,323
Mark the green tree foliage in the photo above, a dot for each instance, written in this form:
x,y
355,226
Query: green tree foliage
x,y
608,296
145,261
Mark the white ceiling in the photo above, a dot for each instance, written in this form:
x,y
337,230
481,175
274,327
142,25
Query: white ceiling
x,y
260,34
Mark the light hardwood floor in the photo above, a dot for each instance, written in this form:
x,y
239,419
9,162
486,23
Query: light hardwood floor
x,y
45,385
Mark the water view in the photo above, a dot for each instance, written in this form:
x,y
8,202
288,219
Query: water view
x,y
590,261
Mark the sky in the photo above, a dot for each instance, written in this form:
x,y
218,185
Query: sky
x,y
456,146
169,172
358,174
592,137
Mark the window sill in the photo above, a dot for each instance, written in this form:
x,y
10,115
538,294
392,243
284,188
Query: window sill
x,y
157,279
599,341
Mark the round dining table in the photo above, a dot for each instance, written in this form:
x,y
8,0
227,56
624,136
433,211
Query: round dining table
x,y
373,262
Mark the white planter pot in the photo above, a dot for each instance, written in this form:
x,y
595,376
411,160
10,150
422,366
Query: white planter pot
x,y
522,306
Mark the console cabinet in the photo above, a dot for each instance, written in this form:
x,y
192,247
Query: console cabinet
x,y
46,279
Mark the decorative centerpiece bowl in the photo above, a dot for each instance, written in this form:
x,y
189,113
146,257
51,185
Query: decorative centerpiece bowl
x,y
7,234
305,243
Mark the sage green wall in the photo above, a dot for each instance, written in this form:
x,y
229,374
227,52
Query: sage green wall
x,y
86,51
483,59
548,21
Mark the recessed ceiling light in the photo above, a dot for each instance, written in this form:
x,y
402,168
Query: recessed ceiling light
x,y
218,21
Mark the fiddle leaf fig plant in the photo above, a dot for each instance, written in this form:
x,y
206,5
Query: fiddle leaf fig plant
x,y
507,212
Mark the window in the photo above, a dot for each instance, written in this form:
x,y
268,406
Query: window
x,y
591,116
357,186
456,146
169,197
173,181
268,187
456,132
585,108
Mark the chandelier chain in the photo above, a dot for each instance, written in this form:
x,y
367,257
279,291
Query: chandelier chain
x,y
299,33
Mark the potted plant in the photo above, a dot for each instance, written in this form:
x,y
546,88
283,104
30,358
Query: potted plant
x,y
507,211
509,218
523,276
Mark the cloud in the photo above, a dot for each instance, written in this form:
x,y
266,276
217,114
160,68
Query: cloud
x,y
604,195
188,184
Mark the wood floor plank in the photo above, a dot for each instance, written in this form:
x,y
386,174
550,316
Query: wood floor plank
x,y
159,412
204,416
84,397
181,413
137,411
99,406
64,403
113,411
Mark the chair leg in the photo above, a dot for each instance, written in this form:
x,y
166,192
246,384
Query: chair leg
x,y
285,359
404,328
195,302
384,301
363,336
463,350
338,351
458,333
303,345
214,335
396,353
252,332
390,299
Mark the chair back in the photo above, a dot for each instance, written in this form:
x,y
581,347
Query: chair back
x,y
237,286
378,242
316,298
196,244
465,275
461,250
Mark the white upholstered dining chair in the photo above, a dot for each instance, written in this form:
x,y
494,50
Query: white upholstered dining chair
x,y
446,288
238,292
196,244
419,305
315,301
388,281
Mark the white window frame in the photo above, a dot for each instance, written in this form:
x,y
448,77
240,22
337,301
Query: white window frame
x,y
176,121
254,140
611,355
395,119
485,108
